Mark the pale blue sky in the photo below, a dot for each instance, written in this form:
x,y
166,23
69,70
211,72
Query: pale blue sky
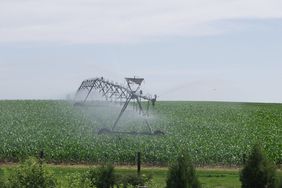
x,y
185,51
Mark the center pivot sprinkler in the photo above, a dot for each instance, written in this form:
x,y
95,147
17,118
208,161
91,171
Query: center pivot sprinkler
x,y
113,92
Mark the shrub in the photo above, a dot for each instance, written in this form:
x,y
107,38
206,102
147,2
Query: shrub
x,y
258,171
2,184
32,174
279,182
75,180
135,180
182,173
102,177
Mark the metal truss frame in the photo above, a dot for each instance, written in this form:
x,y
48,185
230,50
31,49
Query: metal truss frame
x,y
114,91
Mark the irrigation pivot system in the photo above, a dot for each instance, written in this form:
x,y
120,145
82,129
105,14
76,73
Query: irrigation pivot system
x,y
116,92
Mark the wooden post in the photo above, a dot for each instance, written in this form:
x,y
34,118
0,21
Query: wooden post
x,y
138,162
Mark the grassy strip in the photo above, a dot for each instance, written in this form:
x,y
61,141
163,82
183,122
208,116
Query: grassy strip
x,y
208,177
218,177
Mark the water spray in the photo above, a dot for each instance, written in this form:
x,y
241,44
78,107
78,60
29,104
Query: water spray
x,y
112,91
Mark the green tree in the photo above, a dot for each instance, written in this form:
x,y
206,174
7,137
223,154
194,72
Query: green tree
x,y
182,173
258,172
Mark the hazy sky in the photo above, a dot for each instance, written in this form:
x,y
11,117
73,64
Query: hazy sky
x,y
223,50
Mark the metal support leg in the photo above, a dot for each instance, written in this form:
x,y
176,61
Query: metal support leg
x,y
121,112
141,109
88,94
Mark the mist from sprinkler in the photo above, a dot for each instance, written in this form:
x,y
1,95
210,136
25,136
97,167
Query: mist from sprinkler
x,y
105,112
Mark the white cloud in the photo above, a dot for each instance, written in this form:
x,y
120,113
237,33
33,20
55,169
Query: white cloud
x,y
111,21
